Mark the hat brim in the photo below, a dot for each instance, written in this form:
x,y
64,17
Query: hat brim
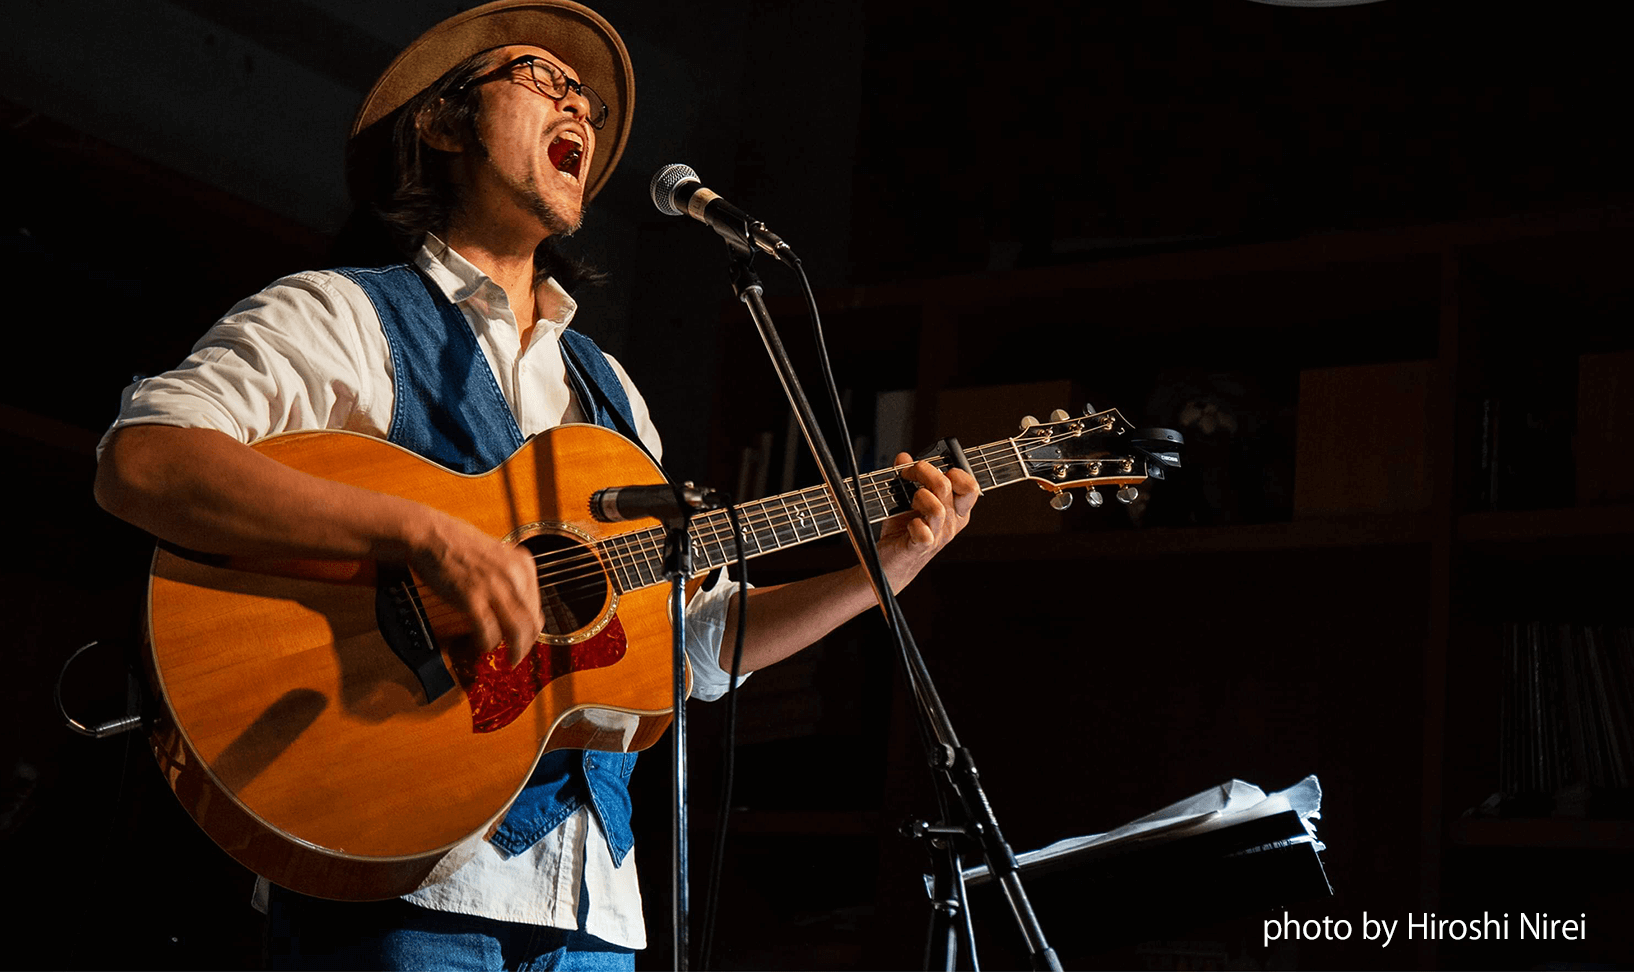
x,y
579,36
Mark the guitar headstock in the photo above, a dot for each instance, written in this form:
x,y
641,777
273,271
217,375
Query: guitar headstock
x,y
1091,450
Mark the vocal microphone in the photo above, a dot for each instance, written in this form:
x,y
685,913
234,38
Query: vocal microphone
x,y
662,502
676,191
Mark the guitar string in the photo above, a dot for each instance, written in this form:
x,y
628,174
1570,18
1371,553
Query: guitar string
x,y
630,553
635,552
640,550
984,456
790,515
793,510
782,516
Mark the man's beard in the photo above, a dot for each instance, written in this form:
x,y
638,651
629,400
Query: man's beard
x,y
553,221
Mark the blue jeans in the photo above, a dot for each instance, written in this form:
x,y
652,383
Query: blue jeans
x,y
311,933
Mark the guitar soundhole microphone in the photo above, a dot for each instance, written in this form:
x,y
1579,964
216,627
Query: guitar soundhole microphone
x,y
664,502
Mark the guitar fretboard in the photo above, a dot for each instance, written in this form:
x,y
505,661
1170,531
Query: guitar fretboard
x,y
636,560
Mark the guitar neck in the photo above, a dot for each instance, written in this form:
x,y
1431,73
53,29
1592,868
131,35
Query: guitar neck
x,y
636,560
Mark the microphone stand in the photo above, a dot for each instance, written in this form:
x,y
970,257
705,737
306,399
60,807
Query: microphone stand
x,y
677,568
674,505
953,768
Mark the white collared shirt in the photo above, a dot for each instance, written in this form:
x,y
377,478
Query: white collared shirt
x,y
307,353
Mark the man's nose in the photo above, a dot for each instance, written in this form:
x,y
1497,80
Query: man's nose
x,y
576,103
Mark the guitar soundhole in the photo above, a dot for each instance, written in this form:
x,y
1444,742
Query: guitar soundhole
x,y
572,585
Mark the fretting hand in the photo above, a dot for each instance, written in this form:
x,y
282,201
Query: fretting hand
x,y
940,510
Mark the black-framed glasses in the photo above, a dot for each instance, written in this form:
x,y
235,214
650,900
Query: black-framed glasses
x,y
550,80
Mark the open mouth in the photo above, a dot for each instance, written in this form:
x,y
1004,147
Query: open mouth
x,y
567,153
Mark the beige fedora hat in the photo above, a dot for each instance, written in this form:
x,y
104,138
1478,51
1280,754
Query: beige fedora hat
x,y
579,36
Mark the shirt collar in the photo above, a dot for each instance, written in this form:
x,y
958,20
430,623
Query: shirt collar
x,y
460,280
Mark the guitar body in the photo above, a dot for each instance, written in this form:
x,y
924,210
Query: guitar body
x,y
307,749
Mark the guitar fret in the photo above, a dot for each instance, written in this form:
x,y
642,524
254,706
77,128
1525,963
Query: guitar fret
x,y
704,533
631,563
828,515
785,525
797,518
644,564
721,527
986,472
750,535
783,533
891,496
802,518
656,547
782,524
808,517
637,555
711,523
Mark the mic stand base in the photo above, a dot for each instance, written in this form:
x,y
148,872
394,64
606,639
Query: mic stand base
x,y
950,907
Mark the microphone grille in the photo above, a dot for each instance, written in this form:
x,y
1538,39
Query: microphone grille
x,y
664,183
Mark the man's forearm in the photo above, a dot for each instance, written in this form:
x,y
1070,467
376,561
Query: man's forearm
x,y
789,617
206,491
209,492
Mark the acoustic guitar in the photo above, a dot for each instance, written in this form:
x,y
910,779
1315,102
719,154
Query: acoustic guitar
x,y
331,725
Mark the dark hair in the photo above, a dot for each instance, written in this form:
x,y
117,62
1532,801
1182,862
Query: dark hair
x,y
403,189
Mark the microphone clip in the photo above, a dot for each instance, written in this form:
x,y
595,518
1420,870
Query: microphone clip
x,y
669,503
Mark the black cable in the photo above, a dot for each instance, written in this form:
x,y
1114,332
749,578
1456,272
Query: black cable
x,y
846,455
893,609
941,750
728,743
893,618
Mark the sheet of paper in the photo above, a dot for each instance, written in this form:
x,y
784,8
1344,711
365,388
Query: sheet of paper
x,y
1231,803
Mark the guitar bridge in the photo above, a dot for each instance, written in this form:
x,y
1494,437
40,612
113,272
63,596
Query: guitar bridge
x,y
400,616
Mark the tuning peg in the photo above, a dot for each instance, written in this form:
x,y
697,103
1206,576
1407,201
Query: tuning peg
x,y
1128,494
1093,497
1059,415
1027,422
1061,500
1089,409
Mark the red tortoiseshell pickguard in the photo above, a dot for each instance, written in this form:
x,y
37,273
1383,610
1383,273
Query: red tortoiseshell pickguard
x,y
499,694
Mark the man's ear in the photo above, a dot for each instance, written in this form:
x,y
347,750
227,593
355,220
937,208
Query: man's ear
x,y
432,126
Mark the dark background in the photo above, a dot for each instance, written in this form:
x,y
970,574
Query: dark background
x,y
1141,205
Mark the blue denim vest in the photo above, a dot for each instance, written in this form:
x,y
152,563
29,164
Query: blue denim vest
x,y
448,407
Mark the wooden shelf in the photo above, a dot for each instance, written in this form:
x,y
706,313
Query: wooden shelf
x,y
1303,534
1544,832
1321,254
1295,535
1585,526
1298,535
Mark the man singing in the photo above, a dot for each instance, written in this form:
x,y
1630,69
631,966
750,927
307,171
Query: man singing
x,y
476,148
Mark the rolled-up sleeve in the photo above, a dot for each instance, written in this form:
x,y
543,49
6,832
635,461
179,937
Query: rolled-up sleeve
x,y
294,356
706,626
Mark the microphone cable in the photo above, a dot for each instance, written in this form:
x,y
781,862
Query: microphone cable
x,y
728,744
895,621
